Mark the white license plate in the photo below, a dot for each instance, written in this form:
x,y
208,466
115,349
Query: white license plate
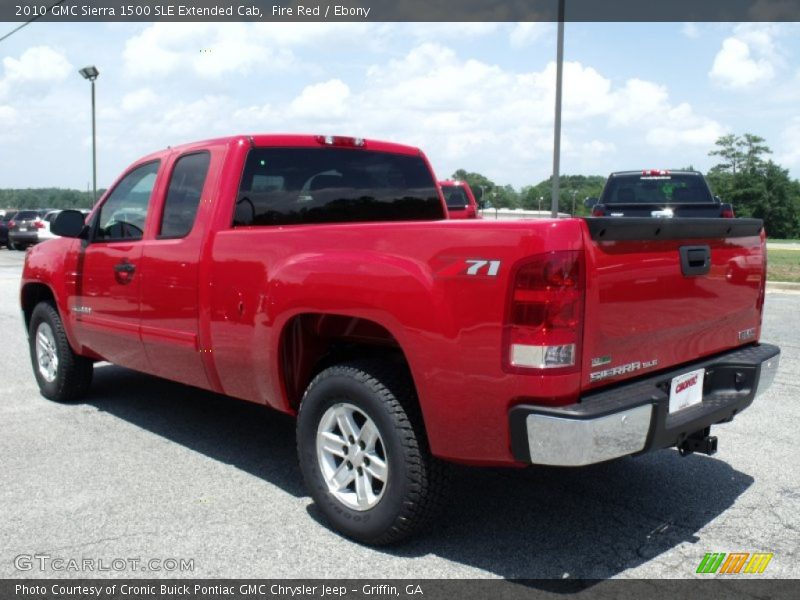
x,y
686,390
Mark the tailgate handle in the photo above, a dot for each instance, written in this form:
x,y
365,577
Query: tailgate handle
x,y
695,260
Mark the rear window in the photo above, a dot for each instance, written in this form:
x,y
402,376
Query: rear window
x,y
291,186
26,215
455,196
656,189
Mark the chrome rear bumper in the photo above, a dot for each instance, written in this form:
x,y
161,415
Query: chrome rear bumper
x,y
632,418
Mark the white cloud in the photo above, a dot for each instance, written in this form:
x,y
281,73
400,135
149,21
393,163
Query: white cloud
x,y
748,58
8,117
321,101
734,66
38,64
639,101
465,111
597,147
207,50
691,30
525,34
138,100
37,68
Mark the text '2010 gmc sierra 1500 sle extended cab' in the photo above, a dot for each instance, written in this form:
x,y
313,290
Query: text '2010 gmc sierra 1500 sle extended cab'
x,y
318,275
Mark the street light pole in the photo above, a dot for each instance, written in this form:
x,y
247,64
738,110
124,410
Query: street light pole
x,y
91,74
557,128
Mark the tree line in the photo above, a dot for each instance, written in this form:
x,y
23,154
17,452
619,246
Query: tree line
x,y
46,198
745,177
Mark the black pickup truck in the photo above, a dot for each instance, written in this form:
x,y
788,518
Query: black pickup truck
x,y
658,193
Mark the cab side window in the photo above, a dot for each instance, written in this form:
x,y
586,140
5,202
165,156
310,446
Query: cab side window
x,y
183,195
123,215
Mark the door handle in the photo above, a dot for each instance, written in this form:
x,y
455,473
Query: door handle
x,y
123,272
695,260
124,267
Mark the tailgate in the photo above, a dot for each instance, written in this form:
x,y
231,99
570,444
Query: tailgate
x,y
662,292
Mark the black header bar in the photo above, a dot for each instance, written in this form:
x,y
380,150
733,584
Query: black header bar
x,y
398,10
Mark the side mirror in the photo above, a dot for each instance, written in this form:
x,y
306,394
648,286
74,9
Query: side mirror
x,y
590,202
69,223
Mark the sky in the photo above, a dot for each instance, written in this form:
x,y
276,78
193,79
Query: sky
x,y
477,96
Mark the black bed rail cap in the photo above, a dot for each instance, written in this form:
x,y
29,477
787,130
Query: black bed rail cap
x,y
609,229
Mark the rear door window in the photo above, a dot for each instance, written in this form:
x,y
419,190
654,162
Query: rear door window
x,y
291,186
183,195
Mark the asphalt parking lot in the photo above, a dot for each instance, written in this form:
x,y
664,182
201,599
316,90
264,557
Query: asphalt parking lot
x,y
147,469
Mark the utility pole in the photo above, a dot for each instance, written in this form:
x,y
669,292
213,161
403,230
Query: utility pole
x,y
557,128
91,74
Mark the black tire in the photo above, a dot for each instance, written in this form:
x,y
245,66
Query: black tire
x,y
73,374
10,245
416,483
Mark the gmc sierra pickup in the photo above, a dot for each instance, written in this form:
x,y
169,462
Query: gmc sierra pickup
x,y
318,275
658,193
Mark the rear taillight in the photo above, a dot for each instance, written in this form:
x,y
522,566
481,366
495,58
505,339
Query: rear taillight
x,y
544,317
11,224
762,291
38,224
598,210
727,212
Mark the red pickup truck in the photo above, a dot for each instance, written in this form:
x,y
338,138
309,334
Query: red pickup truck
x,y
318,275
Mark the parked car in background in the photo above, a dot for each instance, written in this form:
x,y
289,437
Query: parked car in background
x,y
23,229
4,226
657,193
460,200
48,218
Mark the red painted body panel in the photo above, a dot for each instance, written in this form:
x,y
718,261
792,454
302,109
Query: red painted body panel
x,y
211,309
641,308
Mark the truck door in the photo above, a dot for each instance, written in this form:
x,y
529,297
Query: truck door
x,y
170,261
107,295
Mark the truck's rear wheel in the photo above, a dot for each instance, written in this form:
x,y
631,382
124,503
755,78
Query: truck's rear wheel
x,y
61,374
364,455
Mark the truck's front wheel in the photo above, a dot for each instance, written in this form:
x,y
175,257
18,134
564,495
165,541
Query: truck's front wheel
x,y
62,374
363,452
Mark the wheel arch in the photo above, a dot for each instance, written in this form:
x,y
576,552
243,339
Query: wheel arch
x,y
32,294
310,342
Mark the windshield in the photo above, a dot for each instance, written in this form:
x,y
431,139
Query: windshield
x,y
455,197
675,188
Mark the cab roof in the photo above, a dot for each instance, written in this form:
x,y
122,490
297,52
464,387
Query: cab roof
x,y
290,140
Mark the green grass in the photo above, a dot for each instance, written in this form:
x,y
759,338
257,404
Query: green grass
x,y
783,265
781,241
